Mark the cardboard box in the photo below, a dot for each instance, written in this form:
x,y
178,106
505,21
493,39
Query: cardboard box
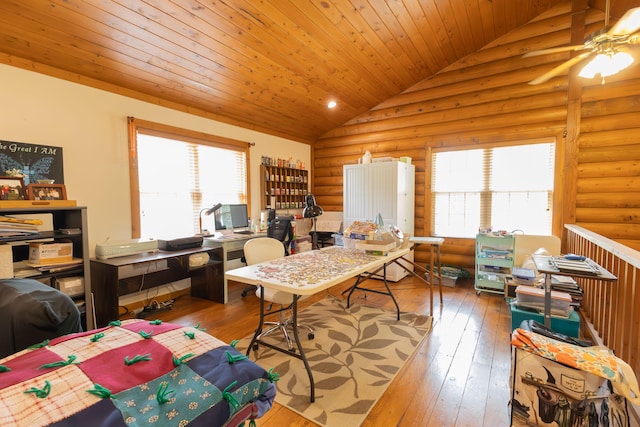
x,y
376,247
6,262
48,253
547,393
360,236
361,230
72,286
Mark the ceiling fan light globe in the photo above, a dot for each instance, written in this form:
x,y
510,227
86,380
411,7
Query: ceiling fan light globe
x,y
594,66
606,65
622,60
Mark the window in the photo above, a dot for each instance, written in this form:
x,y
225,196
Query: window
x,y
506,188
176,173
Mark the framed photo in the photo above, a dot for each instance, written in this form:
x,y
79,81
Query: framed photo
x,y
47,192
12,188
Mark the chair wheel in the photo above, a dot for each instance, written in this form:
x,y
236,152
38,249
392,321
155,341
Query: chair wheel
x,y
311,335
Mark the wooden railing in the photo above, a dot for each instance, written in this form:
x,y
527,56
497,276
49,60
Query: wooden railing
x,y
610,310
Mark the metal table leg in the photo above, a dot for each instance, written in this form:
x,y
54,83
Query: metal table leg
x,y
255,341
369,275
432,275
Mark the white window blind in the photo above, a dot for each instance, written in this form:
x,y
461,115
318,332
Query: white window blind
x,y
506,188
178,178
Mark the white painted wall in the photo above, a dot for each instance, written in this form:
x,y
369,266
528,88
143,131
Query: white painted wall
x,y
91,127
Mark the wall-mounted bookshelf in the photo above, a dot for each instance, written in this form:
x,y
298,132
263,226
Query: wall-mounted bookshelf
x,y
283,187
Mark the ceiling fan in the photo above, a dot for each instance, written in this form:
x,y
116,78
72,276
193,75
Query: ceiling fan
x,y
606,48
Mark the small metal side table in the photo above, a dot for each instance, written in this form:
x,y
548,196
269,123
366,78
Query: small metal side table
x,y
560,266
434,253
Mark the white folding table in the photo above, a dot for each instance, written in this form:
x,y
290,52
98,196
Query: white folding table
x,y
308,273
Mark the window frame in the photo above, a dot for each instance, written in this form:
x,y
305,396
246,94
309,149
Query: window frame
x,y
171,132
557,196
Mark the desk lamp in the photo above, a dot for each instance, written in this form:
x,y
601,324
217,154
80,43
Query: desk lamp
x,y
208,212
311,210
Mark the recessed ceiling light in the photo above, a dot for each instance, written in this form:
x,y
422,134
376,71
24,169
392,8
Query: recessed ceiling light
x,y
332,104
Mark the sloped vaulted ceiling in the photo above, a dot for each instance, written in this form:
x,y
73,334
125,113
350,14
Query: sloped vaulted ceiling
x,y
271,66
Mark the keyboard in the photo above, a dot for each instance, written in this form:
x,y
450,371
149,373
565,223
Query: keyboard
x,y
243,232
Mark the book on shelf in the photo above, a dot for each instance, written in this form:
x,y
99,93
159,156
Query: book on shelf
x,y
568,285
19,220
53,267
11,226
496,253
22,271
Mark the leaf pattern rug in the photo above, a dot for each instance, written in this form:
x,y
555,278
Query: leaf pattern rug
x,y
355,355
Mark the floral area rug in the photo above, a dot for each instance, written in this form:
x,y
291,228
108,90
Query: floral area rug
x,y
355,355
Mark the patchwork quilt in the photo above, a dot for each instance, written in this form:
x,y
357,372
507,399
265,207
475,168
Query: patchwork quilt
x,y
133,373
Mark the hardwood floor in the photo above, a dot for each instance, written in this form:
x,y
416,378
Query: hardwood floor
x,y
459,376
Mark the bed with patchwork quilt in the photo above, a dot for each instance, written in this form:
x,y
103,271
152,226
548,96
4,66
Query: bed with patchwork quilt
x,y
133,373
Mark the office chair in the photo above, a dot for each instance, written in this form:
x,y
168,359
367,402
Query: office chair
x,y
280,228
264,249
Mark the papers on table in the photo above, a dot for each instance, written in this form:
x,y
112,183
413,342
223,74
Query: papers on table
x,y
568,285
574,266
17,227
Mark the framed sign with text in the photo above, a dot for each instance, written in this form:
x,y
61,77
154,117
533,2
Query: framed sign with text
x,y
34,163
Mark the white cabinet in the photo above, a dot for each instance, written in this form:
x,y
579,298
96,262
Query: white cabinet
x,y
385,188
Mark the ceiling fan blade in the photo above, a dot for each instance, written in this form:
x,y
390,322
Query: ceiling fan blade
x,y
628,24
560,68
553,50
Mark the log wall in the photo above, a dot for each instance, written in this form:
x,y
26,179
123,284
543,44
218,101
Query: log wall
x,y
486,99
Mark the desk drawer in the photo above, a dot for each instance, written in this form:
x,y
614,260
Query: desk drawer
x,y
234,263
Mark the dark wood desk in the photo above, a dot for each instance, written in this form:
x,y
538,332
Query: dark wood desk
x,y
112,278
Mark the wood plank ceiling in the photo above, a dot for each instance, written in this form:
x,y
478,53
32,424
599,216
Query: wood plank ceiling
x,y
271,66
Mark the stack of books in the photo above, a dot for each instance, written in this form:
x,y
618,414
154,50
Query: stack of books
x,y
568,285
11,227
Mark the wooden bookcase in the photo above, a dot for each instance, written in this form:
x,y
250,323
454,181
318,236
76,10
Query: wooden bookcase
x,y
282,187
65,215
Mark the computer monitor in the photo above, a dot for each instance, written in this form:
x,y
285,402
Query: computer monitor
x,y
233,217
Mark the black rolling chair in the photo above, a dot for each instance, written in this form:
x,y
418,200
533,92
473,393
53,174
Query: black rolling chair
x,y
280,228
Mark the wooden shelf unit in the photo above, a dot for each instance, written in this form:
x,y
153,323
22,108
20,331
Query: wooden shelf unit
x,y
282,187
65,216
